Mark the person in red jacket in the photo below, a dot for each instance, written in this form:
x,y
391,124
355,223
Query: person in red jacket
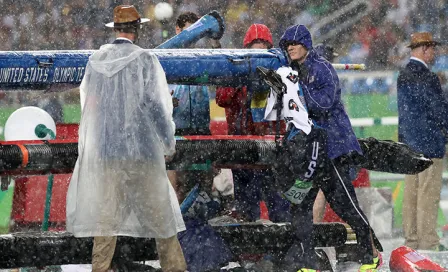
x,y
239,116
251,186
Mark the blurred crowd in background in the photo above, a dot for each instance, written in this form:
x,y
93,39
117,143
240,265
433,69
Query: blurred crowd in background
x,y
374,32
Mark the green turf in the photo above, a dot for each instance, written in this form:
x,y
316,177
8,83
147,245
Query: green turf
x,y
373,106
4,115
72,113
5,209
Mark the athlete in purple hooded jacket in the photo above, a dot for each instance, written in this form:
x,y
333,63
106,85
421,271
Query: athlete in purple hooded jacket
x,y
322,93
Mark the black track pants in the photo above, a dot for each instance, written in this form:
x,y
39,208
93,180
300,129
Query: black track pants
x,y
340,194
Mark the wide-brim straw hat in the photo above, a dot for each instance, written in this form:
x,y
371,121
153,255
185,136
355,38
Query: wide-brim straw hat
x,y
422,38
126,16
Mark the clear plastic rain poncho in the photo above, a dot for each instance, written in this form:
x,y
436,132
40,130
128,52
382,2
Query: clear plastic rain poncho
x,y
119,185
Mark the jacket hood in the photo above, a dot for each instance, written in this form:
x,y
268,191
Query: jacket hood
x,y
299,34
257,31
112,58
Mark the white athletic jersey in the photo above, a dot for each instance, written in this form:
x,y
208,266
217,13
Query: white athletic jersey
x,y
294,111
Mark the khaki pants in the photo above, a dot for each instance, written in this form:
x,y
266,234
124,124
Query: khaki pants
x,y
421,205
170,254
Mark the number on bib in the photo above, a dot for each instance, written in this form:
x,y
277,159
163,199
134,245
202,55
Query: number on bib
x,y
297,193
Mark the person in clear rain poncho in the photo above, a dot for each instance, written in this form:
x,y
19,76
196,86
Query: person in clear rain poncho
x,y
119,185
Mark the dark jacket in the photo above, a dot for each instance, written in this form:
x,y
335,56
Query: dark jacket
x,y
323,99
422,110
323,95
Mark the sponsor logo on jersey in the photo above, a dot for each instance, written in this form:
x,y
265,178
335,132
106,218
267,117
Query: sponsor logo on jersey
x,y
293,78
292,105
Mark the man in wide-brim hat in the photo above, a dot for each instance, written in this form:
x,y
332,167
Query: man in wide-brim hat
x,y
422,124
119,186
127,20
422,38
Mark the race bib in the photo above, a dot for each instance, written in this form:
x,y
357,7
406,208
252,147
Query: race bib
x,y
297,193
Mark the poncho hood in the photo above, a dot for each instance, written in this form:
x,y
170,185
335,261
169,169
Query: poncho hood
x,y
109,61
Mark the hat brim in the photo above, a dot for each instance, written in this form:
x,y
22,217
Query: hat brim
x,y
415,45
142,20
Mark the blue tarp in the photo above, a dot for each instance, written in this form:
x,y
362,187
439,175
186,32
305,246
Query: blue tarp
x,y
61,69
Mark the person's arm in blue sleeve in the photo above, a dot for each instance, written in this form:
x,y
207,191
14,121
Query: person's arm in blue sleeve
x,y
322,87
